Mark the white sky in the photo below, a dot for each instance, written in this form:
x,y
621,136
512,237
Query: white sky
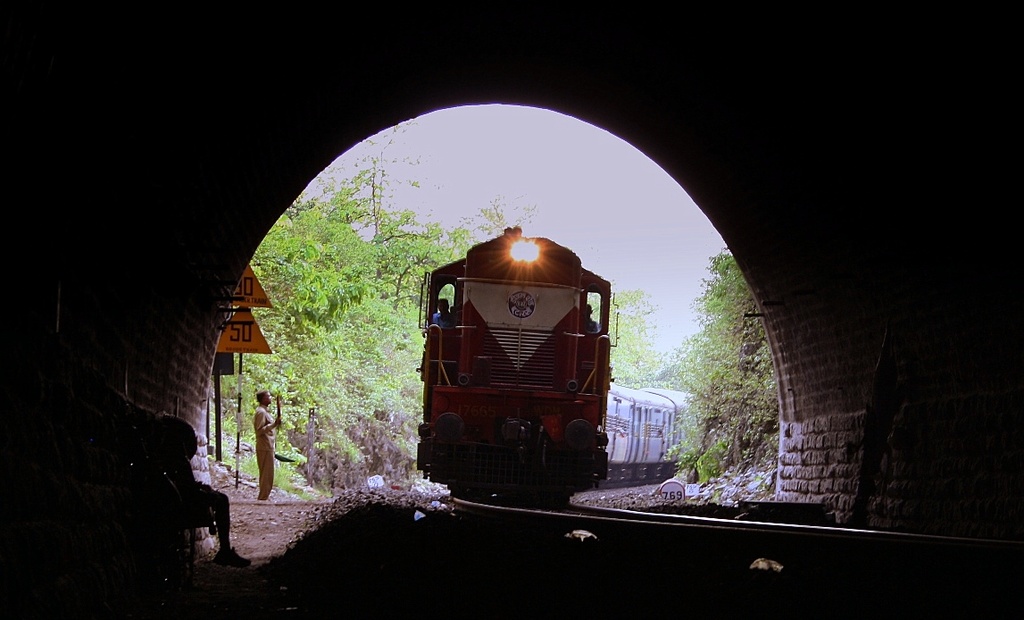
x,y
622,214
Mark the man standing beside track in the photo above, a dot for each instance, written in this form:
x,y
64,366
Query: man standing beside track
x,y
264,425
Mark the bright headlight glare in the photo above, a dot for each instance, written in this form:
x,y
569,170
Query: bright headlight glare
x,y
525,250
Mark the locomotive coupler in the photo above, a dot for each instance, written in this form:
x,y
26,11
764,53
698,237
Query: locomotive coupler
x,y
515,430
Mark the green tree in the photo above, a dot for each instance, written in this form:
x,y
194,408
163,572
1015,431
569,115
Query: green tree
x,y
343,270
492,220
727,368
634,359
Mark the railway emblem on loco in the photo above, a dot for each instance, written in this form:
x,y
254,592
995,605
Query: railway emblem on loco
x,y
521,304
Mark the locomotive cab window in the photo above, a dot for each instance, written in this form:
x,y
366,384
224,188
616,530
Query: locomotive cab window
x,y
591,321
444,311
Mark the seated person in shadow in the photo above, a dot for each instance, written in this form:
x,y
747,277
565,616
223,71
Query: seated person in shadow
x,y
590,324
175,445
444,316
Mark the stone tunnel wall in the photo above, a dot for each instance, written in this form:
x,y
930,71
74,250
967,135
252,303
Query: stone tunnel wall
x,y
86,363
939,476
922,433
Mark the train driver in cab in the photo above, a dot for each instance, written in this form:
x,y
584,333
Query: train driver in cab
x,y
443,316
592,326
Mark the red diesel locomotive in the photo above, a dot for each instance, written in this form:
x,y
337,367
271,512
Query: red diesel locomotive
x,y
515,382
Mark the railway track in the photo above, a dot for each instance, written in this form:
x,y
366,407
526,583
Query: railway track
x,y
848,572
598,517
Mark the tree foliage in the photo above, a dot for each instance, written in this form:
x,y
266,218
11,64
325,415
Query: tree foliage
x,y
493,219
343,270
728,371
635,361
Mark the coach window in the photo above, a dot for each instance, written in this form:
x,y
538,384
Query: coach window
x,y
592,313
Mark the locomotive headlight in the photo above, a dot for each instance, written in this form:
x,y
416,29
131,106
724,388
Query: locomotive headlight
x,y
579,434
449,427
525,250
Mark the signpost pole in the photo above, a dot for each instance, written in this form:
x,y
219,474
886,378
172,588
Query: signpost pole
x,y
238,424
241,335
217,413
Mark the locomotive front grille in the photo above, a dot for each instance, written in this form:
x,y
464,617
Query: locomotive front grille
x,y
521,357
485,466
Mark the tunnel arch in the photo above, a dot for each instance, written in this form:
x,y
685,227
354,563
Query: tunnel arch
x,y
861,182
771,151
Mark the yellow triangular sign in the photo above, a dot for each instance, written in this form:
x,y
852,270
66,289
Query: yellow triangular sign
x,y
250,293
242,335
